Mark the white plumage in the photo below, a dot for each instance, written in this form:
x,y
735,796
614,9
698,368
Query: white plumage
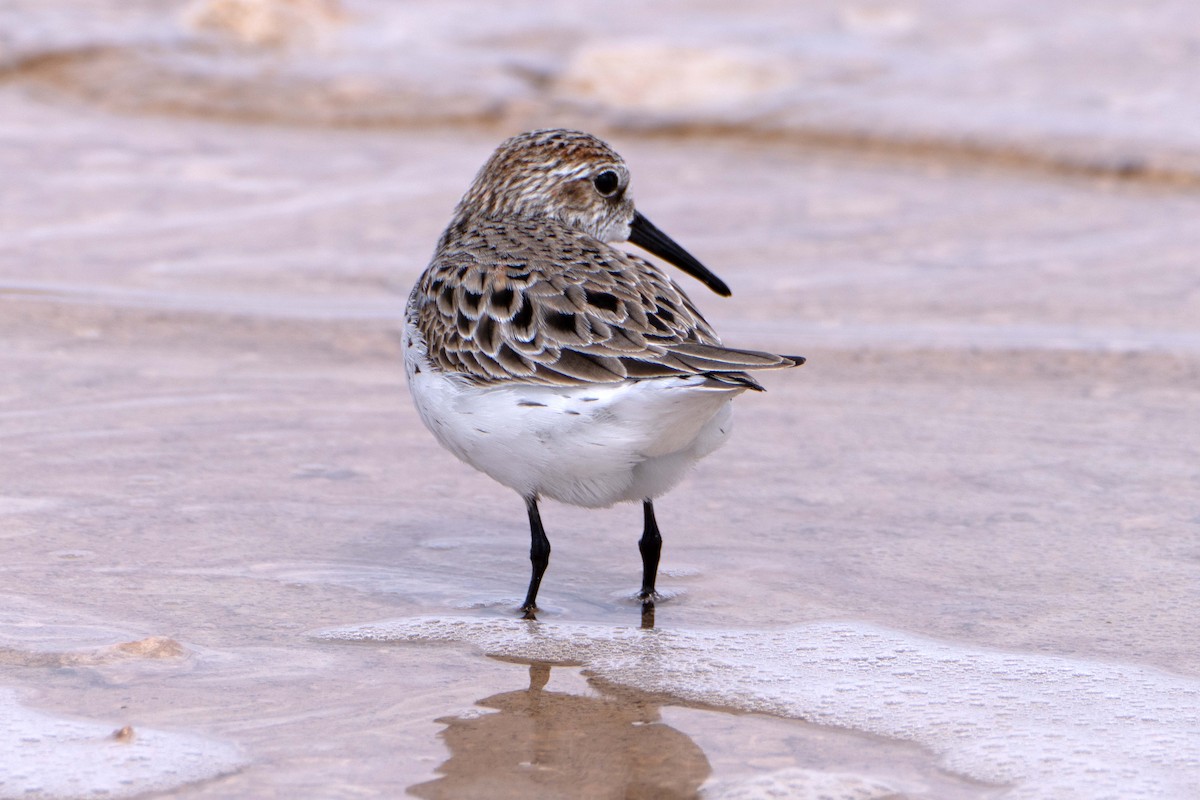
x,y
589,446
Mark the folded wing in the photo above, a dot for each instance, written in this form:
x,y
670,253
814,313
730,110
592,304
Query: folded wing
x,y
493,308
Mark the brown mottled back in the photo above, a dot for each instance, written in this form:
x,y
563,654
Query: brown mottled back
x,y
523,286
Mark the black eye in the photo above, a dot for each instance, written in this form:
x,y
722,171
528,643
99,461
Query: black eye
x,y
606,182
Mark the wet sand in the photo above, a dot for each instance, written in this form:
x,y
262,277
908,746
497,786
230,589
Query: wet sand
x,y
954,556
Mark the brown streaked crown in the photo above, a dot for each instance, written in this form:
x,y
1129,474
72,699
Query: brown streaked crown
x,y
552,173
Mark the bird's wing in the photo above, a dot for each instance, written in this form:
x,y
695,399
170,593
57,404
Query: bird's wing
x,y
537,302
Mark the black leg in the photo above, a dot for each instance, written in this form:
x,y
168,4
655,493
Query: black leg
x,y
539,553
651,546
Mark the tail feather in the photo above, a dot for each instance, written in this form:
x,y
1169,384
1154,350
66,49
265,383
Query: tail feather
x,y
718,358
742,379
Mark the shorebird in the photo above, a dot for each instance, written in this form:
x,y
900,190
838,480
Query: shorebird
x,y
557,364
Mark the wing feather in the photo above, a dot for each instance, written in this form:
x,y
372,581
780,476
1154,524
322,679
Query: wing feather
x,y
537,302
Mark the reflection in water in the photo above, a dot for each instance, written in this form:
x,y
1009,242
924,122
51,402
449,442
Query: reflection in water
x,y
648,615
555,745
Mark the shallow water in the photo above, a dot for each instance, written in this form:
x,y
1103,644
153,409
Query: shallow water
x,y
1053,727
1109,88
954,556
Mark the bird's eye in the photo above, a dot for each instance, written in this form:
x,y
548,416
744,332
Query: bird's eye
x,y
606,183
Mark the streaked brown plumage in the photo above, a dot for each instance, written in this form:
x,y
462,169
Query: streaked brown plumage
x,y
516,293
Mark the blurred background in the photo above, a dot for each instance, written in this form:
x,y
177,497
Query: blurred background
x,y
977,220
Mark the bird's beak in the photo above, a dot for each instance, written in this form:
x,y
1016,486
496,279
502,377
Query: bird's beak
x,y
643,233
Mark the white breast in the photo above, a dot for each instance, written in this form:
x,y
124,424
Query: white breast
x,y
589,445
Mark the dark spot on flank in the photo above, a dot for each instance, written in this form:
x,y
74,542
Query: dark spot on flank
x,y
531,404
588,399
416,370
502,299
463,323
524,316
572,413
471,300
604,301
561,322
485,334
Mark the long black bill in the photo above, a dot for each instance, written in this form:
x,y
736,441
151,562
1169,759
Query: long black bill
x,y
643,233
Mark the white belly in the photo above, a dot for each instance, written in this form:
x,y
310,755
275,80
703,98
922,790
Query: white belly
x,y
584,445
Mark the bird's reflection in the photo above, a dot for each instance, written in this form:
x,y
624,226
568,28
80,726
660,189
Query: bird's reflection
x,y
545,744
648,615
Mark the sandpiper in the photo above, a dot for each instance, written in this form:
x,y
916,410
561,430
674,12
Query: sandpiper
x,y
558,364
